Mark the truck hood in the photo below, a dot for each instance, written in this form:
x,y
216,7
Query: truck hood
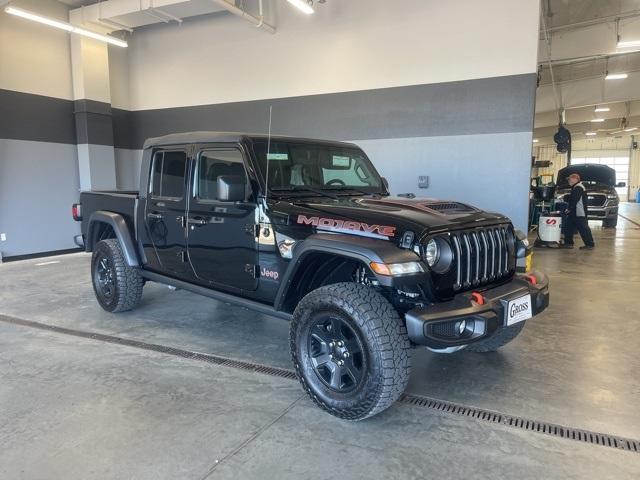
x,y
589,188
383,216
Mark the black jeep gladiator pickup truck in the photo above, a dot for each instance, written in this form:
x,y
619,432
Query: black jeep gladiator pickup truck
x,y
306,230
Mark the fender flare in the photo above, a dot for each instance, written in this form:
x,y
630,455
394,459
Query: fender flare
x,y
363,249
121,230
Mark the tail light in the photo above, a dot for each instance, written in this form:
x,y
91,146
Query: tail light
x,y
76,212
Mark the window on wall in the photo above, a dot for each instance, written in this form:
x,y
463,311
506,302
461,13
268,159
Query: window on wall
x,y
619,164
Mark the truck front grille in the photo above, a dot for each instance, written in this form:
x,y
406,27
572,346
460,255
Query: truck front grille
x,y
596,200
480,256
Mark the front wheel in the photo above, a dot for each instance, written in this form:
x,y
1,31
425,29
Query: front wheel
x,y
350,350
610,222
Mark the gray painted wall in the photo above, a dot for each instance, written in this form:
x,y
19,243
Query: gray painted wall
x,y
128,168
38,183
488,171
472,138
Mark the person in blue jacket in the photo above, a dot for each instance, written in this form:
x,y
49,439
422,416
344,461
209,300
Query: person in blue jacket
x,y
577,214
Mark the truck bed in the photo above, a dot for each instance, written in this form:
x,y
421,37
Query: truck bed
x,y
122,202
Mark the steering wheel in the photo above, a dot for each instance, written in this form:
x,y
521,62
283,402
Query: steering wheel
x,y
336,181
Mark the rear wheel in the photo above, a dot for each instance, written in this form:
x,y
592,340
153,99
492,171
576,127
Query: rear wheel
x,y
499,339
350,350
118,287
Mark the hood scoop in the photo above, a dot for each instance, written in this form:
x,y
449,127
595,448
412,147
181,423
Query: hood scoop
x,y
432,206
449,207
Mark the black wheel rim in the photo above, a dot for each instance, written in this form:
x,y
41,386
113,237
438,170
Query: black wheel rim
x,y
105,277
336,354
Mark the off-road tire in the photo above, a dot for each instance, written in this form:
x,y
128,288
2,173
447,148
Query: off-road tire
x,y
385,345
128,282
499,339
608,223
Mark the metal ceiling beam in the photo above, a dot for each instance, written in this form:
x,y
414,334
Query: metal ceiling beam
x,y
257,21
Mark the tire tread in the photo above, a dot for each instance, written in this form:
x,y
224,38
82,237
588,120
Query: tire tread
x,y
129,282
379,321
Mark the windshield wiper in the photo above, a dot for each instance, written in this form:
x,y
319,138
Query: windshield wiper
x,y
305,189
351,191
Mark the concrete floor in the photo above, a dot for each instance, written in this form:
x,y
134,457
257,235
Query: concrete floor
x,y
79,408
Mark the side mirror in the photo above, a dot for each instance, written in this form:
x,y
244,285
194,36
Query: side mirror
x,y
385,182
621,184
231,188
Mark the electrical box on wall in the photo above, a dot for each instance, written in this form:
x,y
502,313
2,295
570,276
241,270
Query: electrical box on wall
x,y
423,181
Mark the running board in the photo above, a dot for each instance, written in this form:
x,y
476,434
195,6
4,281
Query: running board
x,y
216,295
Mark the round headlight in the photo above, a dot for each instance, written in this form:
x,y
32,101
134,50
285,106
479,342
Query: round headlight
x,y
432,252
438,255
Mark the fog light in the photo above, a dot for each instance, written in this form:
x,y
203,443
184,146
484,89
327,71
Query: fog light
x,y
461,326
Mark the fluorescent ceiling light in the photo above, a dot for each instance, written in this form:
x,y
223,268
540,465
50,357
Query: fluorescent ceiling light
x,y
591,134
37,18
630,129
302,5
597,120
616,76
535,140
630,44
602,109
98,36
64,26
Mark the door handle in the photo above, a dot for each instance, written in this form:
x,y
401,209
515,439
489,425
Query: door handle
x,y
155,216
197,221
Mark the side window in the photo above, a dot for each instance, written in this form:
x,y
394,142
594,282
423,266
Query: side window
x,y
167,175
213,164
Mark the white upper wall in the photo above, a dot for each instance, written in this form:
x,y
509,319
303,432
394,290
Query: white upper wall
x,y
345,46
35,58
119,77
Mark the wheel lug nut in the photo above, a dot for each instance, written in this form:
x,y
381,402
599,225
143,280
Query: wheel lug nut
x,y
346,355
331,344
340,344
340,362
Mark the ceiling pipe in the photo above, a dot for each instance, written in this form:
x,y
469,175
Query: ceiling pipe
x,y
258,22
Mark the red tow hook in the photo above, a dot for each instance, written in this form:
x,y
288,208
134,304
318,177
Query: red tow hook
x,y
478,298
532,279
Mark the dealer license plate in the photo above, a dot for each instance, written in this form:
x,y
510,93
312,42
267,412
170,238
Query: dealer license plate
x,y
519,310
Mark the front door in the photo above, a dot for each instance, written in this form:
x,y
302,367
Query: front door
x,y
165,210
221,235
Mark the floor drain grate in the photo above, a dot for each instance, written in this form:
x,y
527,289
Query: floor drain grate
x,y
520,423
178,352
488,416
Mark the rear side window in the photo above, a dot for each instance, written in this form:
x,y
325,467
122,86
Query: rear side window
x,y
213,164
167,175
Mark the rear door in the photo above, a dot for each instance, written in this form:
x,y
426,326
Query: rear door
x,y
221,235
165,210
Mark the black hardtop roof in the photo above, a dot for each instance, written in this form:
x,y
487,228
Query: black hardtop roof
x,y
228,137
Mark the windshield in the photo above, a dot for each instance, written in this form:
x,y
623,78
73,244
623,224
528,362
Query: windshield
x,y
305,167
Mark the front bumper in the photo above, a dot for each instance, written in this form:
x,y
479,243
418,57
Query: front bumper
x,y
437,325
601,213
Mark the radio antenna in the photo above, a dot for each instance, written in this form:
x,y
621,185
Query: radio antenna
x,y
266,190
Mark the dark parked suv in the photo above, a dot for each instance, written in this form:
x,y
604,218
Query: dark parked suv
x,y
600,183
306,230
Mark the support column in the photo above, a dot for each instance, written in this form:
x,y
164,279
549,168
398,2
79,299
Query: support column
x,y
92,111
